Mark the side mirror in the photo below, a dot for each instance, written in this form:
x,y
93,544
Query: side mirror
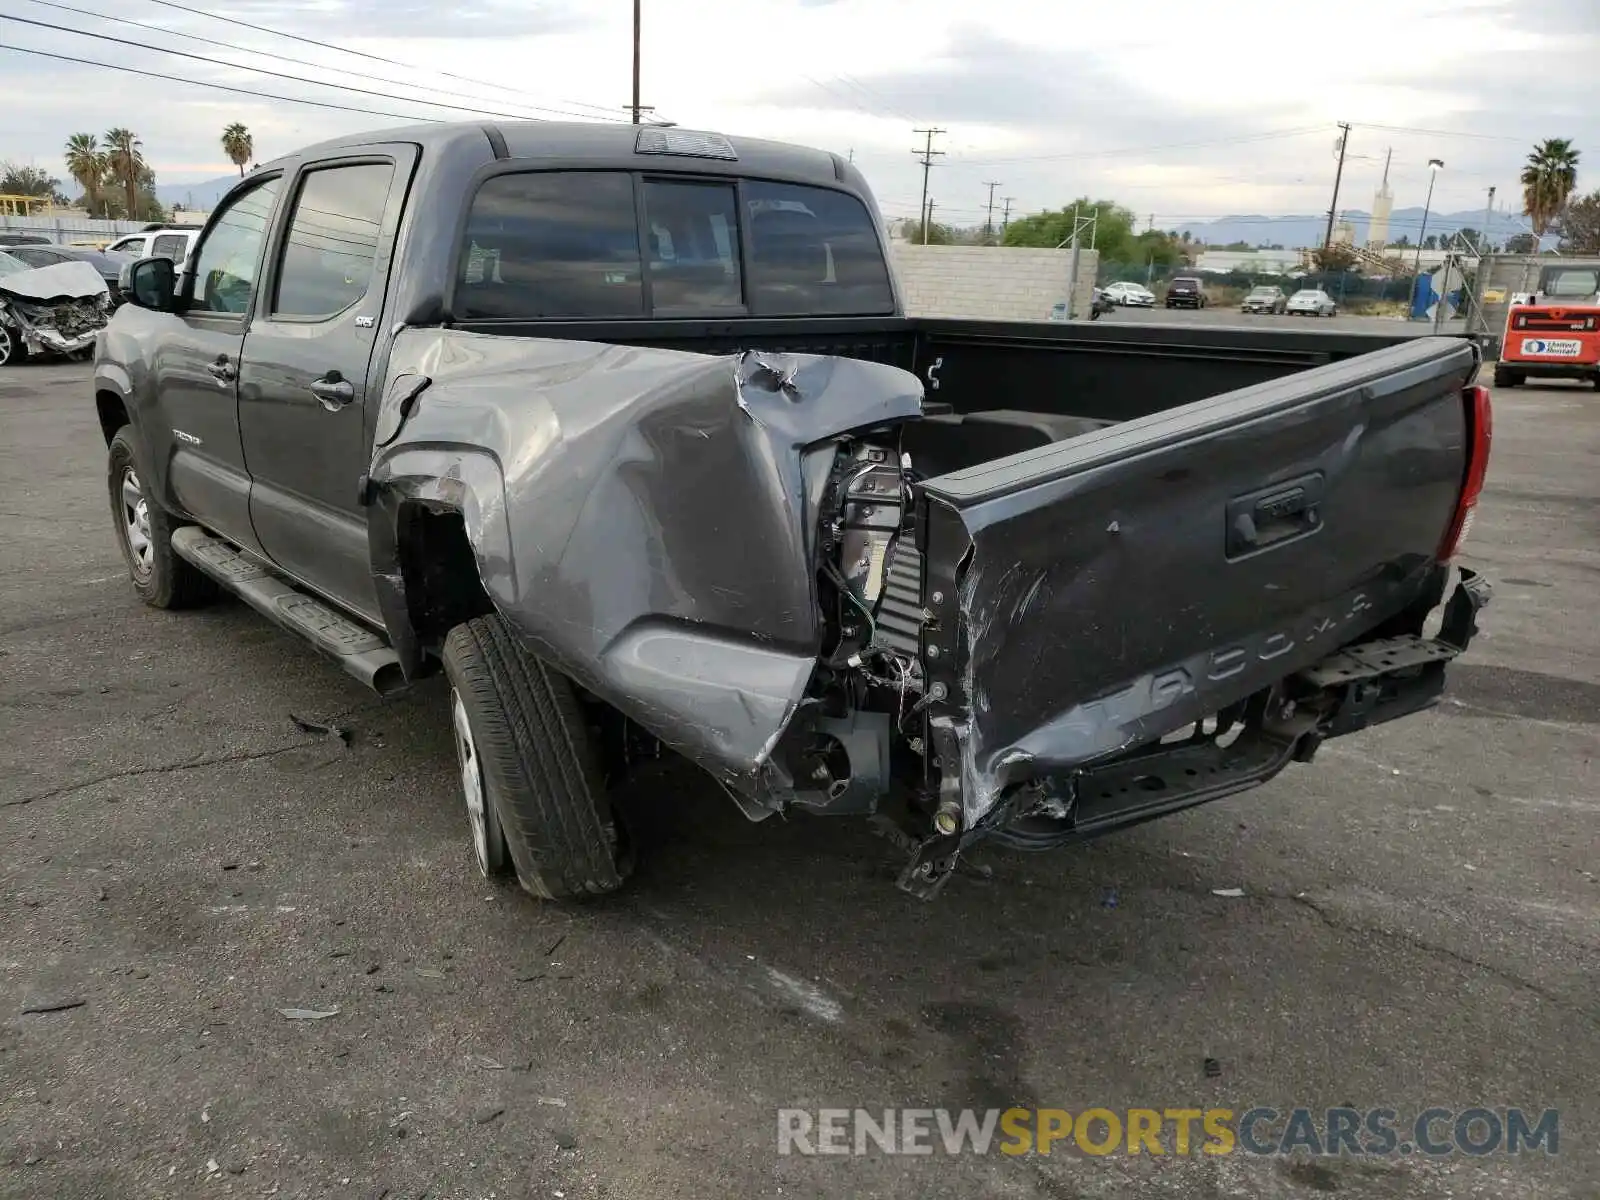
x,y
150,283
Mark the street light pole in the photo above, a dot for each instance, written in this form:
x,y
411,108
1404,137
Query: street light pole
x,y
1434,166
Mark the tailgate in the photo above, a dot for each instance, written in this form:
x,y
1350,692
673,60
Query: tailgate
x,y
1103,592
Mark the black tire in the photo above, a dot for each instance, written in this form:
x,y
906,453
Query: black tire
x,y
160,577
1505,377
540,774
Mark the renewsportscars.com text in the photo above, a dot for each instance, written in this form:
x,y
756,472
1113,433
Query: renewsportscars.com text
x,y
1259,1130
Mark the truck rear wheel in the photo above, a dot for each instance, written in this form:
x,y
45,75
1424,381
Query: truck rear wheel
x,y
144,531
529,774
1506,377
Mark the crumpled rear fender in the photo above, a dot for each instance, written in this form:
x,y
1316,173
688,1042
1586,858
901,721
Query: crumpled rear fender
x,y
645,519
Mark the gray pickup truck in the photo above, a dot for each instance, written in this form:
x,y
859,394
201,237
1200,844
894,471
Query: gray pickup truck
x,y
625,429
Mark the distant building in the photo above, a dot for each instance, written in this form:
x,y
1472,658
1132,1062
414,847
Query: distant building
x,y
1382,206
1259,262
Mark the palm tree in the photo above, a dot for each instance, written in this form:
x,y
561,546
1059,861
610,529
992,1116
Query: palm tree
x,y
238,145
87,165
124,162
1548,179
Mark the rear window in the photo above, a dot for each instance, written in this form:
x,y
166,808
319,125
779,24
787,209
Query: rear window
x,y
566,244
1185,285
813,251
552,244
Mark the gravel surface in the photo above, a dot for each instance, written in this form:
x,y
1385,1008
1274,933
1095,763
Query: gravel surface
x,y
184,869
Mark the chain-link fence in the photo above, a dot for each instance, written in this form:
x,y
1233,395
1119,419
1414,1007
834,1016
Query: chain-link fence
x,y
1351,290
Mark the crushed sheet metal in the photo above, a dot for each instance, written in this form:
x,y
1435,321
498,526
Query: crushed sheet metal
x,y
642,518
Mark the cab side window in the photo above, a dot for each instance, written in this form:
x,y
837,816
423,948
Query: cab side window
x,y
332,242
227,263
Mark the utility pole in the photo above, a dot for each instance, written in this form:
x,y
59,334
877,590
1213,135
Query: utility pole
x,y
1150,226
927,220
1338,177
928,154
1005,217
988,224
1488,215
636,105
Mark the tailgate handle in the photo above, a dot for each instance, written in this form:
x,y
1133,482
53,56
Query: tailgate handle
x,y
1274,515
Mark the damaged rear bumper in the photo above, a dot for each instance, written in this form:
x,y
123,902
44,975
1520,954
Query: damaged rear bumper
x,y
1362,684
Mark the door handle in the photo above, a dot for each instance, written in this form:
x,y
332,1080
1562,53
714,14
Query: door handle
x,y
222,370
333,390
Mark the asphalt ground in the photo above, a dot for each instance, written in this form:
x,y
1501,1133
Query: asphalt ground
x,y
1419,923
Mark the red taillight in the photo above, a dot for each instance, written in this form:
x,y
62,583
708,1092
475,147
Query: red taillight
x,y
1480,429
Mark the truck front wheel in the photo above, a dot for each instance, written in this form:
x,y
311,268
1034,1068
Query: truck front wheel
x,y
144,531
529,774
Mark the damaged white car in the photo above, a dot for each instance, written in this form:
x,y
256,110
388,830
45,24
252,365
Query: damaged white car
x,y
49,310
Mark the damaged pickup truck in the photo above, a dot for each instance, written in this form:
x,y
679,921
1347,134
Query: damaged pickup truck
x,y
57,309
625,429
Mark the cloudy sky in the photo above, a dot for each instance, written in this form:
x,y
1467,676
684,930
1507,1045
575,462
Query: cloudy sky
x,y
1180,110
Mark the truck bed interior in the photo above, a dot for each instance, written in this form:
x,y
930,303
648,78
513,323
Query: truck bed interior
x,y
996,388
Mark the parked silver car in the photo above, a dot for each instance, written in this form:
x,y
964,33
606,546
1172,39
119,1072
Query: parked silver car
x,y
1311,302
1266,299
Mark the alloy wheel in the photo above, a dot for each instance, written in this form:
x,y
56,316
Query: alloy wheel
x,y
136,523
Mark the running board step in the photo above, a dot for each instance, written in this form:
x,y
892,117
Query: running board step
x,y
357,649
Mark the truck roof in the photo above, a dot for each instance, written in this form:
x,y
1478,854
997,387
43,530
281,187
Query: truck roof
x,y
612,144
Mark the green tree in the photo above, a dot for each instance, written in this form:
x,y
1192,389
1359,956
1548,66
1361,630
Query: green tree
x,y
1548,179
238,145
87,166
1522,243
124,164
938,235
1580,225
18,180
1113,231
1472,238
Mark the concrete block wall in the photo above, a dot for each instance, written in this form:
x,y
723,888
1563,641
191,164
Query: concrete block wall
x,y
999,283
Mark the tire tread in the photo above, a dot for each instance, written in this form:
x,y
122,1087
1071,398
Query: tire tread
x,y
540,770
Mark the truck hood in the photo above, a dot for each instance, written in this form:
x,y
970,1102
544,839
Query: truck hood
x,y
53,284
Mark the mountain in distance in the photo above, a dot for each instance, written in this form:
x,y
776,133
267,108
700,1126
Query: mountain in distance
x,y
200,197
1295,232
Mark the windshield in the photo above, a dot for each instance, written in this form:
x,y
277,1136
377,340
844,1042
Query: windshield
x,y
9,265
1263,291
1569,281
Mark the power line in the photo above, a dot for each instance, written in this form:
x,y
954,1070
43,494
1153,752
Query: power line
x,y
928,155
988,223
1338,177
221,87
295,37
218,62
194,37
1233,141
1456,133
